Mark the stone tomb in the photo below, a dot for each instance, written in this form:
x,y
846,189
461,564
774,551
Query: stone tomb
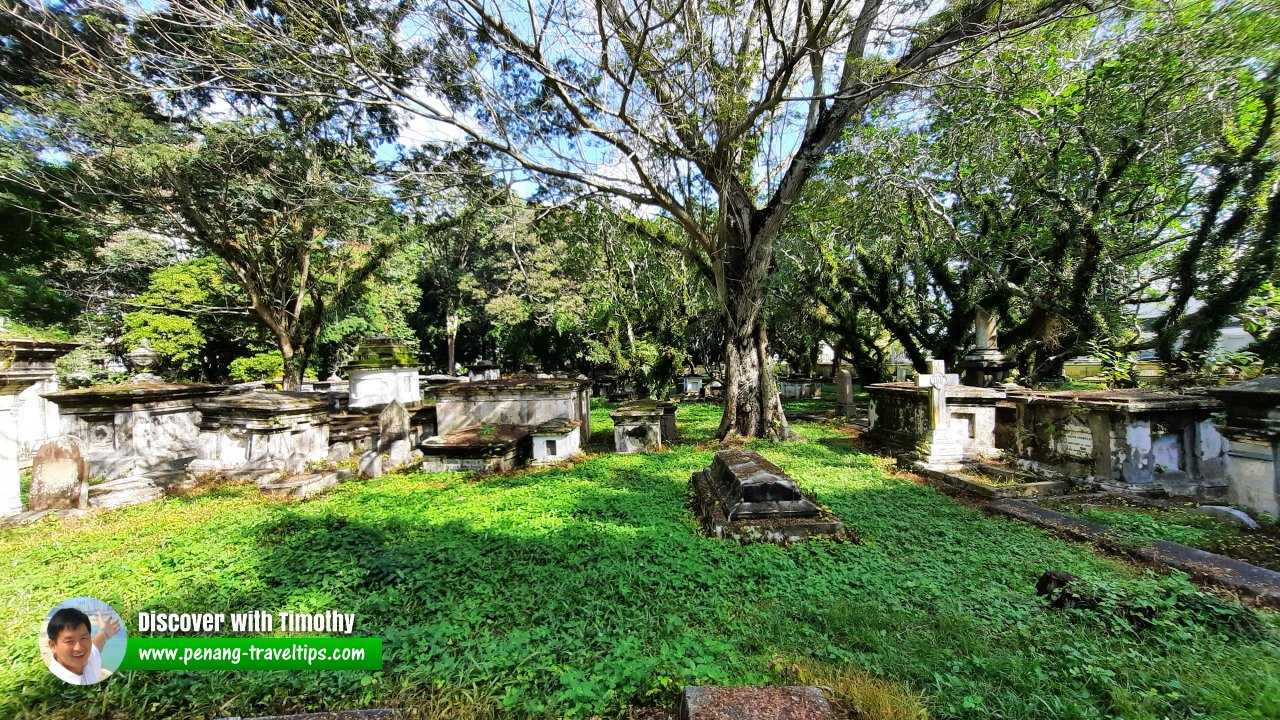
x,y
901,418
383,370
1253,435
643,425
483,448
742,496
555,441
127,430
691,384
514,401
262,431
801,388
1126,440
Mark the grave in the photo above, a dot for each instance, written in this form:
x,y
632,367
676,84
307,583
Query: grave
x,y
394,431
262,430
643,425
844,394
742,496
801,388
127,430
123,492
902,417
483,448
691,384
24,363
1252,431
301,487
59,476
383,370
555,441
1125,440
514,401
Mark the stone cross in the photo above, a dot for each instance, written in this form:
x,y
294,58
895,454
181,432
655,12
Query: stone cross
x,y
985,329
938,394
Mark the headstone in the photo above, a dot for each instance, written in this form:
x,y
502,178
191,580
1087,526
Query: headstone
x,y
844,392
370,465
59,476
393,425
340,452
940,447
398,454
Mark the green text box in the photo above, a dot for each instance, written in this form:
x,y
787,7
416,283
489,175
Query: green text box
x,y
253,654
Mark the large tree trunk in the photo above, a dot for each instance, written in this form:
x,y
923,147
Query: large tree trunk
x,y
752,406
295,364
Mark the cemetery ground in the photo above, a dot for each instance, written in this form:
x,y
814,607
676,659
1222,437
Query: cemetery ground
x,y
586,590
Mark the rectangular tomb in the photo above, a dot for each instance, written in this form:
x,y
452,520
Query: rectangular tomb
x,y
514,401
742,496
483,448
555,441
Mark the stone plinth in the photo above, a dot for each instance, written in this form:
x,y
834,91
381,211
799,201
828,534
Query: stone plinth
x,y
483,448
126,430
1128,440
555,441
643,425
514,401
1252,431
24,363
899,417
482,370
742,496
276,430
383,370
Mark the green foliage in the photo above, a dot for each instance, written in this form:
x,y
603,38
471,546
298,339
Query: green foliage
x,y
263,366
1119,367
580,591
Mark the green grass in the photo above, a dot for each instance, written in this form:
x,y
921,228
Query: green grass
x,y
582,591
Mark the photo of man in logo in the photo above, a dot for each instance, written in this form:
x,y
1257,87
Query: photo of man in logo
x,y
82,641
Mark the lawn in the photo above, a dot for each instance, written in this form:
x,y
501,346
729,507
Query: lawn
x,y
586,590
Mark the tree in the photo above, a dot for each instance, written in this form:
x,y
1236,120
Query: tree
x,y
714,114
1061,184
282,189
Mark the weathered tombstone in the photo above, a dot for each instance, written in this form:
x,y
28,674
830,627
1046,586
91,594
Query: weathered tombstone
x,y
370,465
742,496
59,476
940,447
393,425
844,392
